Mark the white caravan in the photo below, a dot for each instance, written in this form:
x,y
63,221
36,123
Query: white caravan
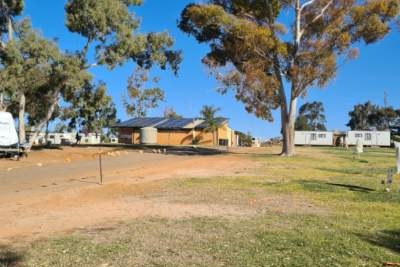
x,y
368,138
9,142
313,138
8,134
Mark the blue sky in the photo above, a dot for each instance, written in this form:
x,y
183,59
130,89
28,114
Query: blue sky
x,y
375,71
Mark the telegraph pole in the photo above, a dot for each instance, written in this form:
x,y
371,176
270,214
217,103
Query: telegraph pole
x,y
385,104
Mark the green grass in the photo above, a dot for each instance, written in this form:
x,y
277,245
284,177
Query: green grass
x,y
345,219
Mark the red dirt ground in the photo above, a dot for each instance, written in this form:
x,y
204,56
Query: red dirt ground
x,y
57,190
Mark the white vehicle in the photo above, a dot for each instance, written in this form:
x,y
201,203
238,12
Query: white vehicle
x,y
8,134
9,143
368,138
313,138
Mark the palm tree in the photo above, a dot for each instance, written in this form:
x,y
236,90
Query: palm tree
x,y
208,113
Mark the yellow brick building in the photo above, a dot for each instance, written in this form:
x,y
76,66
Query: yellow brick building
x,y
177,132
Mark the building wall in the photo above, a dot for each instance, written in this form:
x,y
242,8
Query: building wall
x,y
172,137
369,138
314,138
128,136
168,137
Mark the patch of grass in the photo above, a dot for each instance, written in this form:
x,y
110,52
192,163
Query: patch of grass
x,y
359,225
272,240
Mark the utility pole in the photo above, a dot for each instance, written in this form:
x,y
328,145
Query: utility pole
x,y
385,105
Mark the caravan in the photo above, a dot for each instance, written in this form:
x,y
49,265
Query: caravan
x,y
9,143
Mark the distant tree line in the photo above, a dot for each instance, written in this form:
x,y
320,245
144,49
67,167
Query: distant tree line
x,y
40,83
369,116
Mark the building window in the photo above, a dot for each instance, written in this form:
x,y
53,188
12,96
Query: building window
x,y
322,136
359,135
223,142
368,137
313,137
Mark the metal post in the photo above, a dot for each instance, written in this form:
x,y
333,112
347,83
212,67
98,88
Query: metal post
x,y
100,169
398,157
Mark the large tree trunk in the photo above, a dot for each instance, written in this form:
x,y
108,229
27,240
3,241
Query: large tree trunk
x,y
21,118
288,130
39,126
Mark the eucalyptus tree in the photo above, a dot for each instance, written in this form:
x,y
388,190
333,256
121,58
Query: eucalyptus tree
x,y
35,68
369,116
111,28
361,115
9,9
90,108
311,117
272,52
170,113
141,96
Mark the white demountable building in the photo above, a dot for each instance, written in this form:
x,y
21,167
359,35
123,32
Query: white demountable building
x,y
313,138
368,138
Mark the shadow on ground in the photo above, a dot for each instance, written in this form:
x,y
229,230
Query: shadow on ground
x,y
389,239
9,257
353,187
172,150
322,186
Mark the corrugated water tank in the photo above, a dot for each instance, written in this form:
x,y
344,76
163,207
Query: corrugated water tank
x,y
148,136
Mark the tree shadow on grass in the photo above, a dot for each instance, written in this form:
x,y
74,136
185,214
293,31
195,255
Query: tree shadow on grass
x,y
10,257
322,186
389,239
353,187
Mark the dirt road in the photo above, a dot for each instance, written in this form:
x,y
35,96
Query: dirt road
x,y
57,190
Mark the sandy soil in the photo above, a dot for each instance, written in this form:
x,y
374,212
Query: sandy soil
x,y
58,190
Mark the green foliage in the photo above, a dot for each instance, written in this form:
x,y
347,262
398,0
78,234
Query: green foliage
x,y
113,28
141,99
35,67
311,117
9,9
331,211
253,53
91,109
170,113
369,116
245,37
245,140
209,114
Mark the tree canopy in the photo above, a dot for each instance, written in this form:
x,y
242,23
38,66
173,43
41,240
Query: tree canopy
x,y
40,82
311,117
271,60
35,68
91,109
113,29
369,116
170,113
141,98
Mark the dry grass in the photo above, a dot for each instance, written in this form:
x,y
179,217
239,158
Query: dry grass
x,y
320,208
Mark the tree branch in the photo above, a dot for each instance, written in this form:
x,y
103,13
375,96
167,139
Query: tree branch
x,y
307,4
322,11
